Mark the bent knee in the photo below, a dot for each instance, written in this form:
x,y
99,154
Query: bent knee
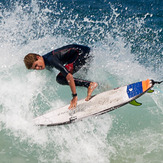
x,y
61,79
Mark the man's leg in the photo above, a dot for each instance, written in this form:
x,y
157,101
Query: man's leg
x,y
78,82
75,66
80,61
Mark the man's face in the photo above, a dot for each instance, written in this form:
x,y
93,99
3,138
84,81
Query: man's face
x,y
39,64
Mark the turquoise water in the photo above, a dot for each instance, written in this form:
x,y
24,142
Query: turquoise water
x,y
126,39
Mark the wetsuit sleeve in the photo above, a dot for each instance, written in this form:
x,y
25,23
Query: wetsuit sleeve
x,y
54,61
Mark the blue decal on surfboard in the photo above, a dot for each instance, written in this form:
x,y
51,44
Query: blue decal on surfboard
x,y
134,89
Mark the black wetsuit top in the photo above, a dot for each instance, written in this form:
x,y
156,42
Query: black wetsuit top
x,y
68,59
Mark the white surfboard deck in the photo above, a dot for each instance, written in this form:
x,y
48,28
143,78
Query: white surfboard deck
x,y
98,104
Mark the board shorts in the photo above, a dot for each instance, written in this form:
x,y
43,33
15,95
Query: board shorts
x,y
83,58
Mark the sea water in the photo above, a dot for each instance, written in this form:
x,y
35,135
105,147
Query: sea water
x,y
126,41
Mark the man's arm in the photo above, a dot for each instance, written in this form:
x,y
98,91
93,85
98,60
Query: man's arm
x,y
71,83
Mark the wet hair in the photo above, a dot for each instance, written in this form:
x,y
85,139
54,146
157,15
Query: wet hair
x,y
29,59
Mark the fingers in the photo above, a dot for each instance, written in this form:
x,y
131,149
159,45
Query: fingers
x,y
73,103
72,106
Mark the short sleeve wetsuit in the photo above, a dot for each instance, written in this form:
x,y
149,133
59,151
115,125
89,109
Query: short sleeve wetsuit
x,y
68,59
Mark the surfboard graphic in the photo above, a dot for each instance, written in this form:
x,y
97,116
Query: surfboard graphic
x,y
98,104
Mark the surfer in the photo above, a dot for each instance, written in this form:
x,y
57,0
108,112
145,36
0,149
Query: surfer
x,y
68,60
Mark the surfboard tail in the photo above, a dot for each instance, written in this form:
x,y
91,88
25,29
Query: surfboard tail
x,y
136,89
146,85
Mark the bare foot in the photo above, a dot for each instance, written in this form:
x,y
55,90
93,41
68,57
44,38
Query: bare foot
x,y
91,88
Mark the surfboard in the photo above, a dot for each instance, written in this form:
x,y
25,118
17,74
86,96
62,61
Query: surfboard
x,y
98,104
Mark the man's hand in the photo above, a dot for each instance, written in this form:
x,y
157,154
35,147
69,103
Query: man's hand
x,y
73,102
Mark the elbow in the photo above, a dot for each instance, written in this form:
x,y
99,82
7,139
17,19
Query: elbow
x,y
69,77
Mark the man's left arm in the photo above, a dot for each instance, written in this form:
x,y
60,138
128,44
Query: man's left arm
x,y
71,83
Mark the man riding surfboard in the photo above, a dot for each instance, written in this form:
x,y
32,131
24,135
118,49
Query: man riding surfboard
x,y
68,60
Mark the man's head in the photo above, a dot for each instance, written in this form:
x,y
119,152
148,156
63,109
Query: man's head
x,y
34,61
